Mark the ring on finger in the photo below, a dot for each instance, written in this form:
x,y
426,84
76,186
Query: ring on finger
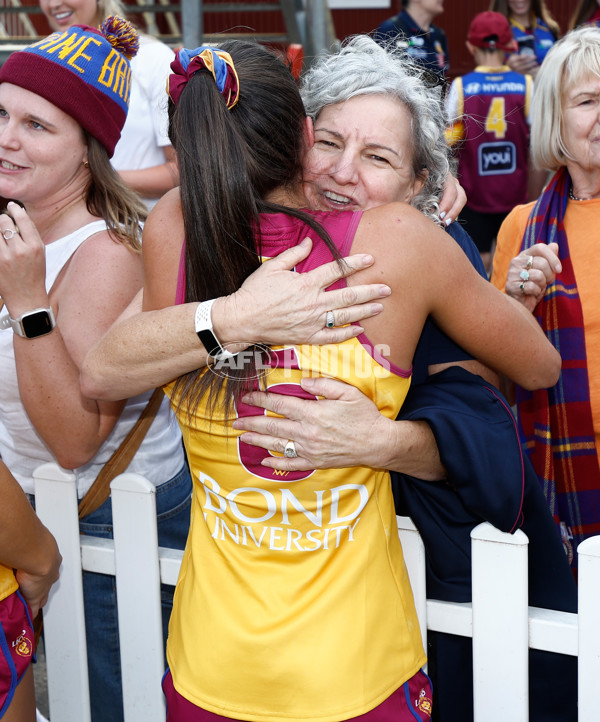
x,y
289,450
529,263
7,233
524,275
522,287
329,319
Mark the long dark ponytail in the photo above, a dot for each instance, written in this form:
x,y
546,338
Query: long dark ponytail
x,y
229,161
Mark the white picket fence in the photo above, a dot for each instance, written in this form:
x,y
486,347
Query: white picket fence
x,y
499,620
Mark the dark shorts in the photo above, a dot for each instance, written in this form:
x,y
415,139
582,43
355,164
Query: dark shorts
x,y
16,646
482,227
410,702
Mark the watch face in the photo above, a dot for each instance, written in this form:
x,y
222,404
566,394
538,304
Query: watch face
x,y
36,324
210,343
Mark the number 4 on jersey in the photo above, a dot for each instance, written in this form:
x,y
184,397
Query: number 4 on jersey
x,y
496,118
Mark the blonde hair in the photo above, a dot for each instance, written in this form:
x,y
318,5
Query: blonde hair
x,y
575,56
106,8
108,197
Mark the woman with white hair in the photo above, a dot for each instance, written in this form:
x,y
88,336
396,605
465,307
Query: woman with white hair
x,y
400,155
545,259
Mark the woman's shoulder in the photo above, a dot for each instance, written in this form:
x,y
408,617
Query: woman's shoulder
x,y
168,202
404,242
164,230
166,216
100,264
464,240
396,213
100,248
89,235
397,225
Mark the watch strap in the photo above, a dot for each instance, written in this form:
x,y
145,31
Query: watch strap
x,y
204,328
17,323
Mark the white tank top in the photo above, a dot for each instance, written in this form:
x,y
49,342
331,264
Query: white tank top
x,y
160,456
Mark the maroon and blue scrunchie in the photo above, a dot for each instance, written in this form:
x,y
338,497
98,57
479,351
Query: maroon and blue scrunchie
x,y
217,62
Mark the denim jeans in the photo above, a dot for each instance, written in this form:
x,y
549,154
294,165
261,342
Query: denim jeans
x,y
173,502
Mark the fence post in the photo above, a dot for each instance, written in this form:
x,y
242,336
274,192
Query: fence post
x,y
500,625
414,558
589,630
64,619
138,595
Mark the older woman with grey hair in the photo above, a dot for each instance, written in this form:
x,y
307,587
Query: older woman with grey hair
x,y
408,162
363,68
395,152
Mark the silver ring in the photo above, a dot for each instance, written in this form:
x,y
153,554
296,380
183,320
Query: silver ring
x,y
524,275
329,319
290,450
529,263
8,233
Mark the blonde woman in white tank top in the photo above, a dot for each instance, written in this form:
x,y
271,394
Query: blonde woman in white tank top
x,y
70,262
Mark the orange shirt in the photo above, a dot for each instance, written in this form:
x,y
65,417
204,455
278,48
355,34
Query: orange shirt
x,y
581,226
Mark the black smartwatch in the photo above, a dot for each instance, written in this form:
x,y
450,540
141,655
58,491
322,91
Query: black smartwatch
x,y
32,324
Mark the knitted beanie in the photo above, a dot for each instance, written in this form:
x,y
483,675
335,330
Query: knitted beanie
x,y
83,71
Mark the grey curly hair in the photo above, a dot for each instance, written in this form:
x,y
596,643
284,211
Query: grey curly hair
x,y
362,67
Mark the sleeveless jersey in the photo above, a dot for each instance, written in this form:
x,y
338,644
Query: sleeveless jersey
x,y
542,36
293,601
490,107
